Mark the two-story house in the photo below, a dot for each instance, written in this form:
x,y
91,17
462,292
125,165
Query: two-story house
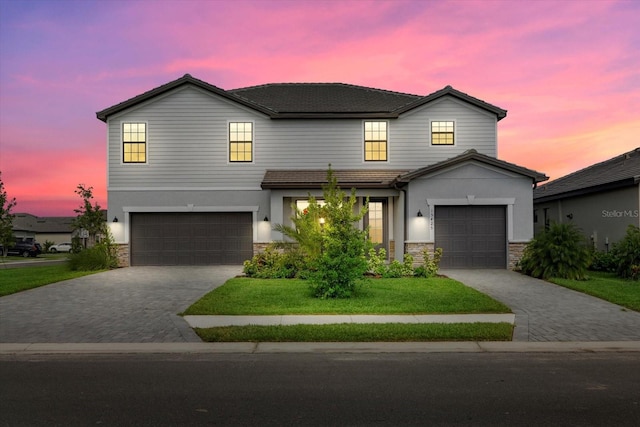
x,y
199,175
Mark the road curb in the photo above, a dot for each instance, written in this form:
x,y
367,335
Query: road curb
x,y
319,347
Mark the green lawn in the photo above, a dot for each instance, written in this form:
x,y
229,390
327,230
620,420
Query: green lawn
x,y
608,287
14,280
240,296
246,296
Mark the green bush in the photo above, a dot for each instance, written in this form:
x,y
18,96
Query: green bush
x,y
626,254
274,264
47,245
603,261
91,259
430,264
376,262
560,251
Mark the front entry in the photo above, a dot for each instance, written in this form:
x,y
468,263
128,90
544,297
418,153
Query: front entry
x,y
377,221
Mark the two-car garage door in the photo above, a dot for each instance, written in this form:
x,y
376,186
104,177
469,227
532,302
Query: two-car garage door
x,y
194,238
471,236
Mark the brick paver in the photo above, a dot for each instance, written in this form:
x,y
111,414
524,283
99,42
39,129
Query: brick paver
x,y
547,312
136,304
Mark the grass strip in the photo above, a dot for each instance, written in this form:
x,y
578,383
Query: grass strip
x,y
14,280
607,286
360,332
438,295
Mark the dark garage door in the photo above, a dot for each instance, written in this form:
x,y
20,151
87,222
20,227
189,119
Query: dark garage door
x,y
191,238
471,236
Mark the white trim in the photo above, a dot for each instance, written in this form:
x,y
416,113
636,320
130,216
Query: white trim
x,y
189,208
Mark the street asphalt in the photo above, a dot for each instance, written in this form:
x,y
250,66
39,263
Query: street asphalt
x,y
136,310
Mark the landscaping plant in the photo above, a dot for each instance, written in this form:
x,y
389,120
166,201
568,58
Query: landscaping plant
x,y
6,217
626,254
560,251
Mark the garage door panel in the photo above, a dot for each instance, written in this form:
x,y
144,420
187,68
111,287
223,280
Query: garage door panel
x,y
471,236
191,238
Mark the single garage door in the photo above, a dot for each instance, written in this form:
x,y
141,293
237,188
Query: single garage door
x,y
471,236
191,238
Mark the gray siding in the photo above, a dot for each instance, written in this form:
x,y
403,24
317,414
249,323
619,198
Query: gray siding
x,y
602,216
187,142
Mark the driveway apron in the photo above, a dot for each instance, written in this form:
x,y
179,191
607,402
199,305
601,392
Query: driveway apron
x,y
135,304
548,312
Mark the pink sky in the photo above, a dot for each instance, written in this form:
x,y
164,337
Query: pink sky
x,y
568,72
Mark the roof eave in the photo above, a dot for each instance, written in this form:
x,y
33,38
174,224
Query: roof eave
x,y
186,79
627,182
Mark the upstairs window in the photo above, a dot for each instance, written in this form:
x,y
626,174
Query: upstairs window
x,y
240,142
375,141
442,133
134,142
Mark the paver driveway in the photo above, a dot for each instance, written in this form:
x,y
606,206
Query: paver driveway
x,y
547,312
136,304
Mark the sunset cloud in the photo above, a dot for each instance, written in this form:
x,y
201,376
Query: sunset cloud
x,y
567,72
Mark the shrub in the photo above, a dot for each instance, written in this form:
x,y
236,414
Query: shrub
x,y
626,254
102,256
376,263
273,264
603,261
561,251
47,245
431,263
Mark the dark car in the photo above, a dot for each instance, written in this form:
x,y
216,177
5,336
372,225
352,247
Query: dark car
x,y
24,248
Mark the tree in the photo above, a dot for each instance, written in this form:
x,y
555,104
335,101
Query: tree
x,y
90,218
6,218
334,247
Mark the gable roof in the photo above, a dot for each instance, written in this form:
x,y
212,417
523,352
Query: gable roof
x,y
182,81
312,100
471,155
620,171
316,178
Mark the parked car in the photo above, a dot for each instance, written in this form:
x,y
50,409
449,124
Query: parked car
x,y
24,248
62,247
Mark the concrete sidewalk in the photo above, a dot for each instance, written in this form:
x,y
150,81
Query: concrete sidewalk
x,y
217,321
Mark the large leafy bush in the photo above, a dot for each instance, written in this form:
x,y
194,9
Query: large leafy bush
x,y
626,254
560,251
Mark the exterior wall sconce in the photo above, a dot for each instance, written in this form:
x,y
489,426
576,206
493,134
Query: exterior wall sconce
x,y
115,219
570,216
266,219
419,213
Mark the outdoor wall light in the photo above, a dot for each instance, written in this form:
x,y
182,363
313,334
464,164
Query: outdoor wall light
x,y
570,216
115,219
419,213
266,219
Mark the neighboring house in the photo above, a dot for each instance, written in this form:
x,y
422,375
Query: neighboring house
x,y
199,175
602,200
52,228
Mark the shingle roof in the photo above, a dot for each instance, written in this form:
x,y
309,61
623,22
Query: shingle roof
x,y
324,98
316,178
50,224
620,171
311,100
470,155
